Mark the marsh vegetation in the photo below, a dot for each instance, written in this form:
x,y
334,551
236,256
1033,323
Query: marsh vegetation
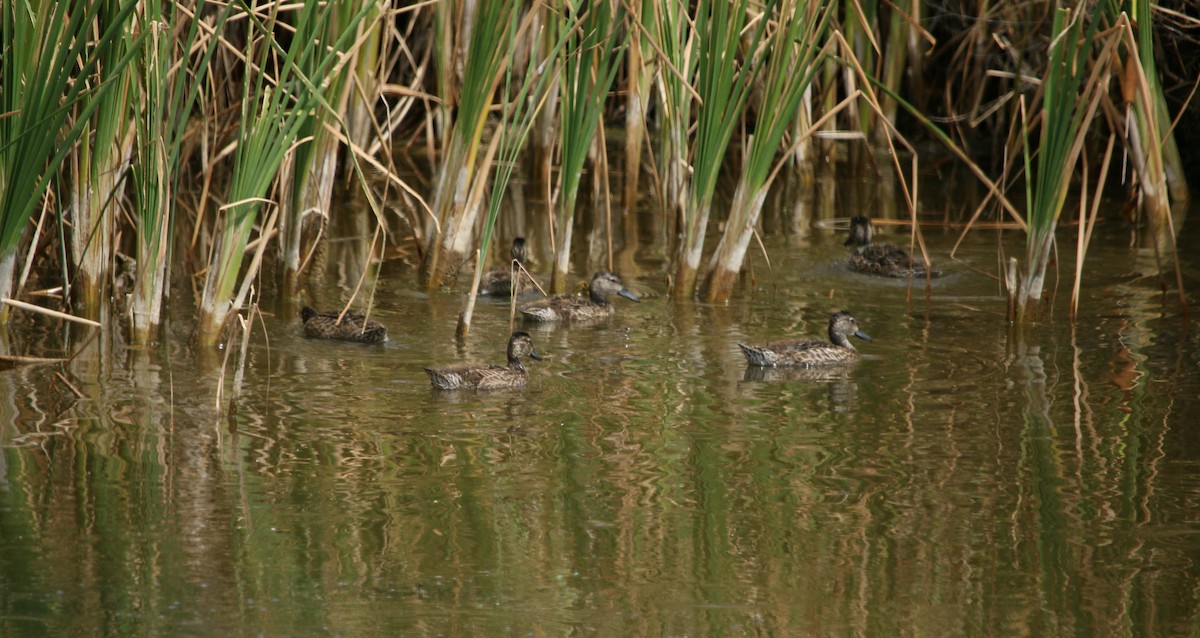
x,y
191,150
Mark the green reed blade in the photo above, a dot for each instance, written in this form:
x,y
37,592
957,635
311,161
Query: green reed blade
x,y
594,47
454,208
723,86
48,77
274,112
789,69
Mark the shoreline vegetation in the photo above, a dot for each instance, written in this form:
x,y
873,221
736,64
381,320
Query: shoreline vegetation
x,y
149,147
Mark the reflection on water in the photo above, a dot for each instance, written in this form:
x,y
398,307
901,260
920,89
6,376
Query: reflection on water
x,y
964,478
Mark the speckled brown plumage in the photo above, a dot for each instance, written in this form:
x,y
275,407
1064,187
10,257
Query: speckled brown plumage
x,y
488,377
594,306
498,281
879,259
810,353
354,326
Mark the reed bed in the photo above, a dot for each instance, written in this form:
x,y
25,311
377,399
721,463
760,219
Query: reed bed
x,y
262,104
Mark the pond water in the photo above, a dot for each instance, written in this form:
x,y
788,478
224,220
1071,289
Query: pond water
x,y
964,478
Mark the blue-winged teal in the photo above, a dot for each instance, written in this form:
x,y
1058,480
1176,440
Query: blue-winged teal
x,y
811,353
488,377
879,259
498,281
595,306
354,326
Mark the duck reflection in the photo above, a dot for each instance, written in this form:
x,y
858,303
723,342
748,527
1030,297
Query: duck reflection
x,y
842,388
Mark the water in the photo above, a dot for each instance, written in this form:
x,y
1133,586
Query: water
x,y
965,478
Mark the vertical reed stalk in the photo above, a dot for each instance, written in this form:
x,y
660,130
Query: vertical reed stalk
x,y
1068,105
365,82
723,88
860,22
451,27
531,91
49,63
593,52
546,127
1087,223
641,70
152,175
672,34
791,52
98,164
446,252
271,119
1152,146
894,60
308,186
167,95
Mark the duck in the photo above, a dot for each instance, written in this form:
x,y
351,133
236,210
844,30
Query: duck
x,y
811,353
354,326
498,281
880,259
595,306
489,377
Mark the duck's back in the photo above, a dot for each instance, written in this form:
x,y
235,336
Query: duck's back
x,y
500,283
485,377
354,326
798,353
565,307
886,260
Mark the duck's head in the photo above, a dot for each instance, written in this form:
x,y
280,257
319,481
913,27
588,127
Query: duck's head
x,y
307,313
521,345
518,250
605,283
860,231
842,326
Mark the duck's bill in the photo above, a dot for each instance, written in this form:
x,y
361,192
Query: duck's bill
x,y
629,295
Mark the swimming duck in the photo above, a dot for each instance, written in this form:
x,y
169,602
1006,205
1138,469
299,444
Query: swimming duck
x,y
354,326
879,259
596,306
488,377
498,281
811,353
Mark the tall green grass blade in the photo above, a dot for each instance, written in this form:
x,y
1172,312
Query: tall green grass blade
x,y
530,93
48,76
170,80
671,31
1154,152
313,168
1067,106
724,87
455,211
790,67
273,115
593,52
99,161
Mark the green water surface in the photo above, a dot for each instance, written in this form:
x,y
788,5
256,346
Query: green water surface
x,y
966,478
